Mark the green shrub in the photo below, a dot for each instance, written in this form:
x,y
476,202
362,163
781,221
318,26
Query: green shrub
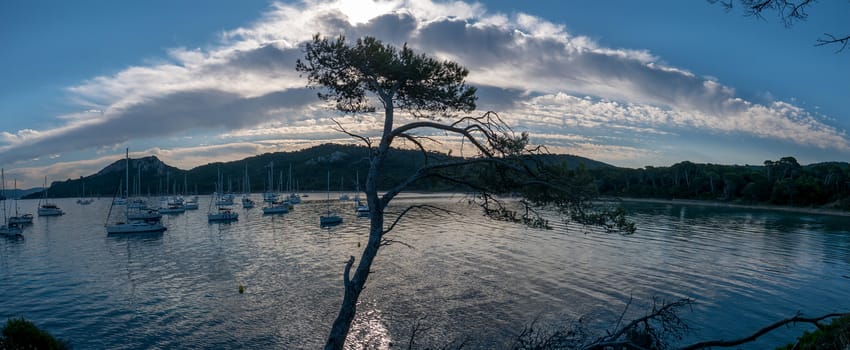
x,y
19,333
835,335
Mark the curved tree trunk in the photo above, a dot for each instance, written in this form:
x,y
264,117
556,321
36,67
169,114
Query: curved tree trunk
x,y
355,285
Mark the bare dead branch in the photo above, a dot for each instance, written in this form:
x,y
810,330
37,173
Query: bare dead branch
x,y
730,343
625,309
666,319
341,129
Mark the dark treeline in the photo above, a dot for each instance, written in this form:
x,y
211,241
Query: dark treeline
x,y
310,167
780,182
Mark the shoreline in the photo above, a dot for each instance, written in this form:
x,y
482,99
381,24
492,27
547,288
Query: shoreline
x,y
710,203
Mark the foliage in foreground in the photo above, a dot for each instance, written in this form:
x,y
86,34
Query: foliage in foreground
x,y
835,335
19,333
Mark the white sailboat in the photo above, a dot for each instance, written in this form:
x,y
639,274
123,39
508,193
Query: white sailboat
x,y
344,196
270,196
330,219
362,210
7,229
172,206
274,203
122,200
191,203
223,213
132,225
20,219
84,200
294,198
247,202
46,208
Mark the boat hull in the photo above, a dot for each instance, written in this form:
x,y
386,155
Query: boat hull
x,y
229,216
276,210
11,230
23,219
135,227
50,212
330,220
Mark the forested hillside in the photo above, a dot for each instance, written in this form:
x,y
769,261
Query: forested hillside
x,y
309,166
781,182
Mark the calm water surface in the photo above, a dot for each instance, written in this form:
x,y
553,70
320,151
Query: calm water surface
x,y
465,277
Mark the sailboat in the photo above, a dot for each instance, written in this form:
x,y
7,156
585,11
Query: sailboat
x,y
7,229
247,202
84,200
330,219
294,198
46,208
362,210
344,196
191,203
120,200
274,203
270,196
222,212
131,226
20,219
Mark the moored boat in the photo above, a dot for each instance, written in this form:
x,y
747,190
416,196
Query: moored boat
x,y
134,225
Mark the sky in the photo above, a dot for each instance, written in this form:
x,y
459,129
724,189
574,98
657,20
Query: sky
x,y
625,82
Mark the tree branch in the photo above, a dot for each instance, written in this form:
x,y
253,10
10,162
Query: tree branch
x,y
666,309
345,279
434,125
418,144
831,39
340,128
729,343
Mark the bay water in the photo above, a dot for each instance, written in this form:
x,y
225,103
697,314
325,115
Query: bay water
x,y
462,278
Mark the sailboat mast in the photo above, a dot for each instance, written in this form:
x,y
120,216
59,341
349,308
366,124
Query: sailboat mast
x,y
3,193
16,197
127,173
329,193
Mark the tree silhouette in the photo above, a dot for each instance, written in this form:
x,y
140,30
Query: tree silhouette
x,y
431,91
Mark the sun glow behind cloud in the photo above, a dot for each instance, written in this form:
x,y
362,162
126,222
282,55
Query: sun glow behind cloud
x,y
623,103
361,11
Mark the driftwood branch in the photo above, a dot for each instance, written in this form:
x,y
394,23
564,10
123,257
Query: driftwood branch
x,y
729,343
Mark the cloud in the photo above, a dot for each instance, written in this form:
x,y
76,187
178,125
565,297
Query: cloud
x,y
535,72
163,116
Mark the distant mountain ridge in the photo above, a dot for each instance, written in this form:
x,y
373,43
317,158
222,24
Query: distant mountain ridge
x,y
309,168
149,164
20,193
